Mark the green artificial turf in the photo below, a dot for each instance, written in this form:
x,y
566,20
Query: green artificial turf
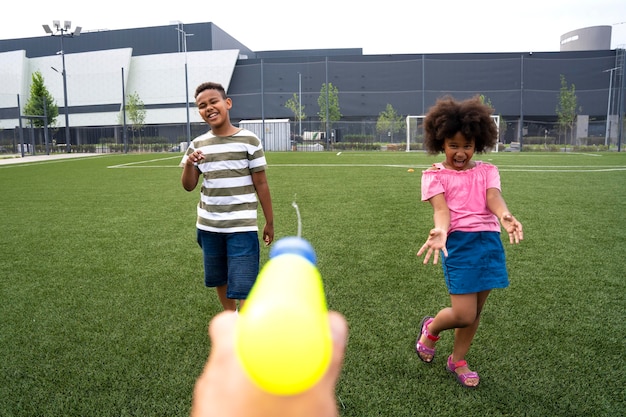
x,y
103,310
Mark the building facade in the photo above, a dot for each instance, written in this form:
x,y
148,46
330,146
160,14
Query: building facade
x,y
162,67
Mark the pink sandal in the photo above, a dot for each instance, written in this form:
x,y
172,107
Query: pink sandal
x,y
419,346
451,367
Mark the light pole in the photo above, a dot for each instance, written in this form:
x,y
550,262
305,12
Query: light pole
x,y
608,109
300,104
64,31
521,102
185,34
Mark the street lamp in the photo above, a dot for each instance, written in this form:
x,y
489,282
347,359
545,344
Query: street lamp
x,y
64,31
300,104
185,34
608,110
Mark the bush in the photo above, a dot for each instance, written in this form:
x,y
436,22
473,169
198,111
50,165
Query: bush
x,y
395,147
538,140
356,146
358,138
597,141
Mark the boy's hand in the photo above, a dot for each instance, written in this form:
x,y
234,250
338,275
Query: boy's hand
x,y
268,234
195,157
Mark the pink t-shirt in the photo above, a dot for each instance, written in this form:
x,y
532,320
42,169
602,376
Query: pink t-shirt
x,y
466,195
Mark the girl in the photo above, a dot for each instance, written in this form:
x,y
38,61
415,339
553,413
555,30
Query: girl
x,y
467,203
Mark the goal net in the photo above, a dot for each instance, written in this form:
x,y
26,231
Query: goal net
x,y
415,132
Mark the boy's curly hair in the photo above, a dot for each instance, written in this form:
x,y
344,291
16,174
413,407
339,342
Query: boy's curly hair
x,y
471,117
210,86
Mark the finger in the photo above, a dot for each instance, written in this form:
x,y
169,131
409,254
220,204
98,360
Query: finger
x,y
445,251
422,249
339,333
221,360
427,257
221,331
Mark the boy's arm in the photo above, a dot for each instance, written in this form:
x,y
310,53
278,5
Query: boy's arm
x,y
191,173
259,179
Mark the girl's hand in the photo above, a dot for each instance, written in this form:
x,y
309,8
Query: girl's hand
x,y
436,241
512,227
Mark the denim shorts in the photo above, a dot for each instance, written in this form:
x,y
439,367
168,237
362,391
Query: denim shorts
x,y
230,259
475,262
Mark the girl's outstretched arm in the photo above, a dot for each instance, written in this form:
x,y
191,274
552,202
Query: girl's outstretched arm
x,y
497,205
438,235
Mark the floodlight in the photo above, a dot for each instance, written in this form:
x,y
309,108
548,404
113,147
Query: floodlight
x,y
67,25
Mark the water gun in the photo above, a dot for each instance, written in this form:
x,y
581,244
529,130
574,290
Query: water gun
x,y
282,335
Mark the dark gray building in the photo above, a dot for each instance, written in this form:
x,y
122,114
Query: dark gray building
x,y
523,87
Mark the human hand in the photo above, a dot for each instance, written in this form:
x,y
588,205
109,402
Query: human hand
x,y
512,227
436,241
195,157
268,234
223,389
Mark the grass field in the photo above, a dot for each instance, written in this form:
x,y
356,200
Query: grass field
x,y
103,311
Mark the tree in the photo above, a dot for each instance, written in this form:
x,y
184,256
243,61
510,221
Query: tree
x,y
485,100
566,109
389,122
135,113
332,98
293,104
39,95
502,126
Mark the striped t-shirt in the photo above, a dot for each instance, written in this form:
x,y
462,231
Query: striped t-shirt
x,y
228,200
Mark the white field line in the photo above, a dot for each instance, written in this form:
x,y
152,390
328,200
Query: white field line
x,y
139,163
30,161
502,168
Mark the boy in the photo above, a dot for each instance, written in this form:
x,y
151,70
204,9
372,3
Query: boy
x,y
232,163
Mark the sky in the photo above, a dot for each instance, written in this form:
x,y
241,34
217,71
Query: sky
x,y
386,27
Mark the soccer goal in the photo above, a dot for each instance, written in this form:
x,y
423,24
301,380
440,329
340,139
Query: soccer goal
x,y
415,132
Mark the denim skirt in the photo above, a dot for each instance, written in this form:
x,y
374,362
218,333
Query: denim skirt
x,y
475,262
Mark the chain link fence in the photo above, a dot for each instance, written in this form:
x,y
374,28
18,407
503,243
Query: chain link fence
x,y
304,136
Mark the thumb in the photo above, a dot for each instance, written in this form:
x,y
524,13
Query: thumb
x,y
339,333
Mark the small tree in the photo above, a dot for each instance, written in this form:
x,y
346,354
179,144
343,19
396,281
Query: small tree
x,y
35,104
502,126
389,122
135,113
566,109
293,104
328,95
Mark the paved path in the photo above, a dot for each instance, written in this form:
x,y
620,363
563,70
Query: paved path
x,y
17,159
